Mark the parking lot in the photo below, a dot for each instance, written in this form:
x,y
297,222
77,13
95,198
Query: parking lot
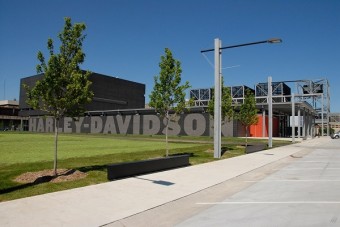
x,y
305,192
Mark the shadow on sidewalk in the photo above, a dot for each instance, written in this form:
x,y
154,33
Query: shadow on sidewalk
x,y
161,182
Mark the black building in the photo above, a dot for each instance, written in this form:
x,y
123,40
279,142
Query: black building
x,y
110,93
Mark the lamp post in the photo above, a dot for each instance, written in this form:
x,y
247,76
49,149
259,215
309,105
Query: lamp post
x,y
270,112
218,87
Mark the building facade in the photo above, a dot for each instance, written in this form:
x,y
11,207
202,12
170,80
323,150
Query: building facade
x,y
110,93
9,119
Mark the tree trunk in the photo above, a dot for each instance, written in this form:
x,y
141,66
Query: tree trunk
x,y
55,166
166,134
246,136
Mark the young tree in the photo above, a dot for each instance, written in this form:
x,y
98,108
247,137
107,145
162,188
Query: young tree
x,y
167,93
248,112
64,88
227,109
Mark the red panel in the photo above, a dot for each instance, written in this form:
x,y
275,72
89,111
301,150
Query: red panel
x,y
256,130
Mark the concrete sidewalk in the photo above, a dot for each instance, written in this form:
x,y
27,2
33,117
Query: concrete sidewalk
x,y
108,202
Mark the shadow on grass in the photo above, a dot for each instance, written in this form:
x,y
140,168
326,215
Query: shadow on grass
x,y
86,169
190,154
15,188
226,150
39,180
46,179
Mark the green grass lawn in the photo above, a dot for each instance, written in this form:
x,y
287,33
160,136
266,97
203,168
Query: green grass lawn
x,y
28,152
24,148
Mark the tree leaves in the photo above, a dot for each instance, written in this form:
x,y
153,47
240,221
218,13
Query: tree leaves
x,y
64,88
248,111
227,108
168,94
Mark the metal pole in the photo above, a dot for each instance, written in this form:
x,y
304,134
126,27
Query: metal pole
x,y
270,113
274,40
313,127
293,119
309,124
328,106
321,115
304,124
263,122
217,109
220,104
299,123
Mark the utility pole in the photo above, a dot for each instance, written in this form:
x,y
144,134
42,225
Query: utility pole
x,y
293,118
270,113
217,94
218,87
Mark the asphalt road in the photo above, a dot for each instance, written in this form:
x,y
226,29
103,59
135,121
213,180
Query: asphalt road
x,y
299,190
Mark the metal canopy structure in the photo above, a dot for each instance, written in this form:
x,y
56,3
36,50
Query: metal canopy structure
x,y
238,92
280,92
309,100
316,93
201,97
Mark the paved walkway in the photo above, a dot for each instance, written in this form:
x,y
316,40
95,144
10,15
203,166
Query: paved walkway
x,y
302,192
105,203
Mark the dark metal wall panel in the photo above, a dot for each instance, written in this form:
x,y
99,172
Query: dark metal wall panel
x,y
239,91
278,89
30,81
114,93
110,93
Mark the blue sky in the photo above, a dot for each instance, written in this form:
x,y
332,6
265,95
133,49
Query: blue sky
x,y
125,38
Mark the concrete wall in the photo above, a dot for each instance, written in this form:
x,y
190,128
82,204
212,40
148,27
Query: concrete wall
x,y
191,124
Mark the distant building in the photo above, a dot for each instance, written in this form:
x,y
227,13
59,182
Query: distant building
x,y
9,119
334,119
110,93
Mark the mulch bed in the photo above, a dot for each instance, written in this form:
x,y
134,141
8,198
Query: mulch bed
x,y
48,176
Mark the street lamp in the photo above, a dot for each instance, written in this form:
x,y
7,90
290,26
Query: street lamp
x,y
218,87
271,41
274,40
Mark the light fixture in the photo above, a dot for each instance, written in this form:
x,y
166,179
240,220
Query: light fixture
x,y
274,40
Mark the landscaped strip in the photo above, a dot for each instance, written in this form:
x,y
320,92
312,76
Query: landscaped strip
x,y
30,152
